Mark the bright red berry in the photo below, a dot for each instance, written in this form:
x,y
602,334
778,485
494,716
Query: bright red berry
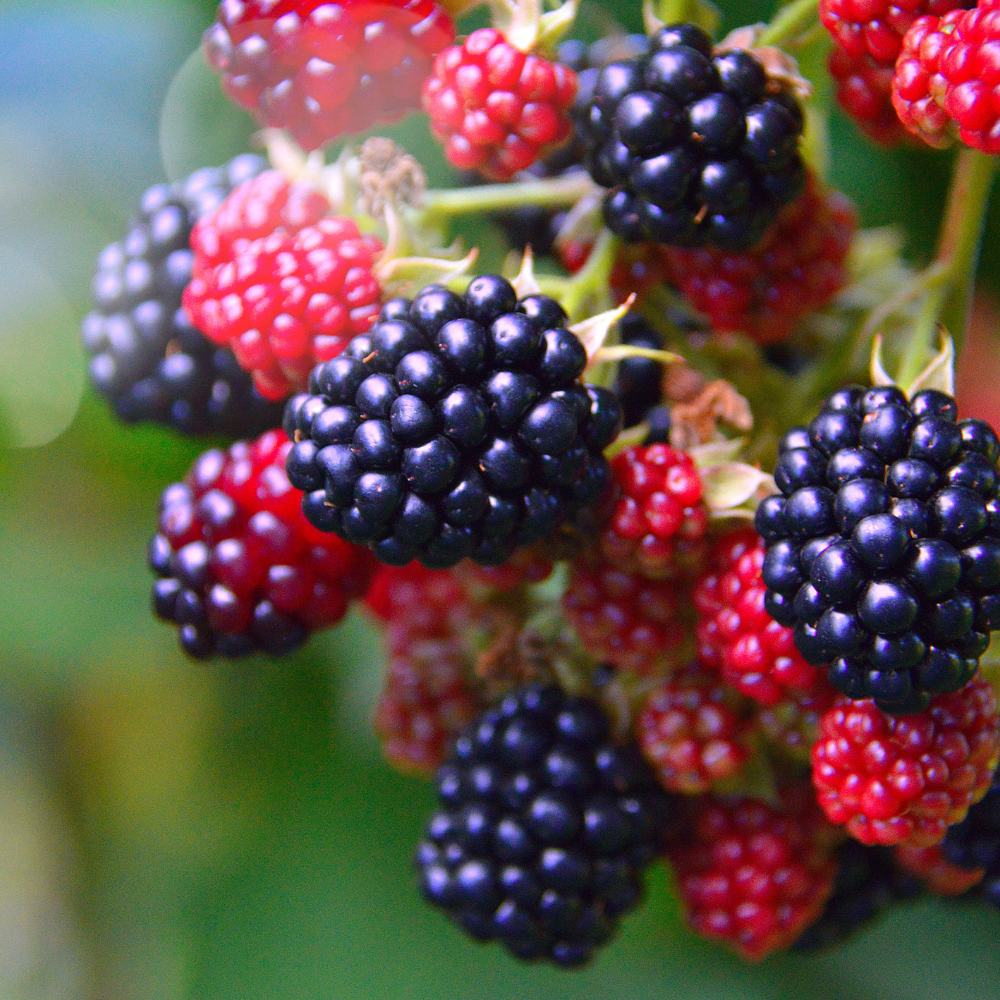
x,y
918,85
692,731
736,634
795,269
752,875
906,779
322,70
279,282
496,108
864,91
876,27
427,695
239,566
658,522
936,872
969,68
626,619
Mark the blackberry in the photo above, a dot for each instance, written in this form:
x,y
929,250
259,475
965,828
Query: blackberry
x,y
975,842
883,550
867,883
697,148
146,357
639,380
456,427
544,830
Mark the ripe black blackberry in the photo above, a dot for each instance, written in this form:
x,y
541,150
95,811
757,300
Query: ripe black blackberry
x,y
639,382
544,830
147,358
868,882
883,550
698,149
456,427
975,843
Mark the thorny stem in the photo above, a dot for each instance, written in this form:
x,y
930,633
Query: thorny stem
x,y
790,23
947,301
439,205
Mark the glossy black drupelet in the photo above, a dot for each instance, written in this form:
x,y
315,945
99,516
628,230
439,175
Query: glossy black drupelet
x,y
697,149
146,357
975,843
868,883
545,828
883,550
456,427
639,381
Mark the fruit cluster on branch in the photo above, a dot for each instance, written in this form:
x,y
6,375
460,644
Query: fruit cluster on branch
x,y
657,580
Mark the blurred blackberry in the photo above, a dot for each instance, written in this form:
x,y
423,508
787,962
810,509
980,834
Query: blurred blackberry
x,y
533,225
884,548
975,842
868,882
639,380
545,828
146,357
698,149
456,427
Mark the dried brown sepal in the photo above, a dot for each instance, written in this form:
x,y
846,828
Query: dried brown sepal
x,y
696,422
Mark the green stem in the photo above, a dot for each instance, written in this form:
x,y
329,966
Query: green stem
x,y
947,302
440,205
589,285
790,22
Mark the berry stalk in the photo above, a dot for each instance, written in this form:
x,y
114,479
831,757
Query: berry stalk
x,y
947,301
556,192
791,22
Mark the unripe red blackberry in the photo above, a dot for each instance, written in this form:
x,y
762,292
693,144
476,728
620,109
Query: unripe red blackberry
x,y
626,619
906,779
883,551
751,875
736,634
864,91
658,523
692,731
952,61
146,357
496,108
545,828
322,70
281,282
458,427
697,148
239,568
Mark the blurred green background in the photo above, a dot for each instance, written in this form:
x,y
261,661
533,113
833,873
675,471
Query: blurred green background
x,y
172,831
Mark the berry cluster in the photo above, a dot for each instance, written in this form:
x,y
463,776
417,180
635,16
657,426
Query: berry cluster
x,y
321,69
945,76
458,427
544,830
495,108
584,636
281,282
696,147
883,549
239,568
147,358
